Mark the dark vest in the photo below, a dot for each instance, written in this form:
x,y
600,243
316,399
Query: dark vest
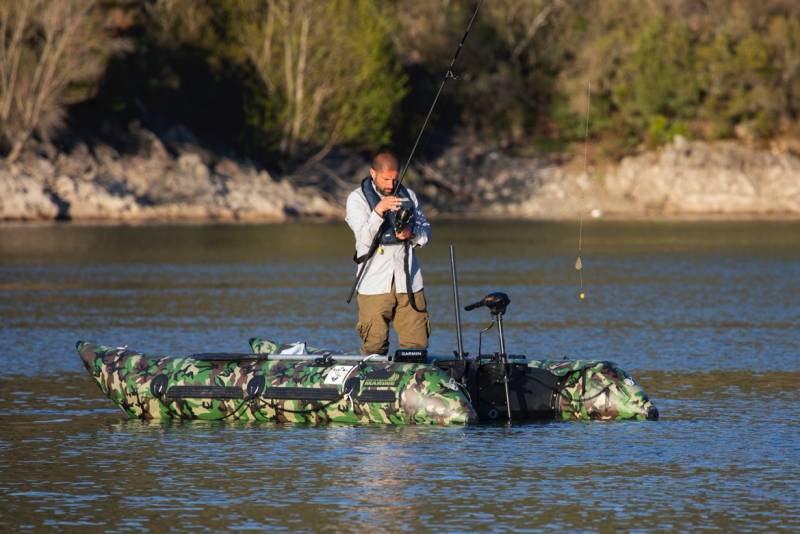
x,y
373,198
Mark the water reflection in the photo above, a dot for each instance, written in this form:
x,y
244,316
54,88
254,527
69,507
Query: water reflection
x,y
703,315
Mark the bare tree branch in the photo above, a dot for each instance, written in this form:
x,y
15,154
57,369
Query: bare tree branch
x,y
534,26
62,43
318,62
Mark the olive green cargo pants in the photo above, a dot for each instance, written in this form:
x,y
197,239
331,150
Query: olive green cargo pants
x,y
377,312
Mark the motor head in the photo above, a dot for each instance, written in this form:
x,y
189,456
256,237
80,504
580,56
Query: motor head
x,y
496,302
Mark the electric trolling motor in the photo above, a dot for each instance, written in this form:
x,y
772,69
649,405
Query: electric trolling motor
x,y
491,383
497,303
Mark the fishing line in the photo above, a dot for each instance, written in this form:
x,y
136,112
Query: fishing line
x,y
578,260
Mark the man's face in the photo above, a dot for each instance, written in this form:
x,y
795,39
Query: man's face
x,y
384,179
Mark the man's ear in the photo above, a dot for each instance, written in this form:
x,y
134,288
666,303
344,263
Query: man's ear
x,y
373,173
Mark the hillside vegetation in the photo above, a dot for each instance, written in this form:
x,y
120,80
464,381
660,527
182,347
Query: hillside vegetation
x,y
286,81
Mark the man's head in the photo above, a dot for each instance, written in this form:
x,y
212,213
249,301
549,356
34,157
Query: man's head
x,y
384,171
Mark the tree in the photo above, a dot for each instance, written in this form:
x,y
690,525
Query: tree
x,y
508,66
328,72
49,51
750,72
710,68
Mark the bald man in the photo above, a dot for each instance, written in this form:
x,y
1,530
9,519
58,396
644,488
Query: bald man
x,y
389,293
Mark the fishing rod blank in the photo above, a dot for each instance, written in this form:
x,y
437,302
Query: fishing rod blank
x,y
447,76
460,354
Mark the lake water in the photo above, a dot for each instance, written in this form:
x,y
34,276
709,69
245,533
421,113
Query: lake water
x,y
705,315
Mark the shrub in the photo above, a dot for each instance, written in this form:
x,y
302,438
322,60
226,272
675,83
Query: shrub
x,y
327,70
51,53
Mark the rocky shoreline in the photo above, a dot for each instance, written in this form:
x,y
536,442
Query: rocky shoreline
x,y
165,180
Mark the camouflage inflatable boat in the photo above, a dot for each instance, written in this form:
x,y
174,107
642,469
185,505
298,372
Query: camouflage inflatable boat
x,y
315,386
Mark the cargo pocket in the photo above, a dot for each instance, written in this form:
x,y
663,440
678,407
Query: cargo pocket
x,y
363,329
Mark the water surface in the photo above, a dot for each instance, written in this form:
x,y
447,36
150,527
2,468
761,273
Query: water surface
x,y
706,316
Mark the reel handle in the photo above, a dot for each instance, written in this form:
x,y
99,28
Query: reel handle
x,y
474,305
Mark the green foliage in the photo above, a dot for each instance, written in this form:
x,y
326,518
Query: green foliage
x,y
513,66
742,84
287,80
712,70
655,87
327,77
660,76
662,130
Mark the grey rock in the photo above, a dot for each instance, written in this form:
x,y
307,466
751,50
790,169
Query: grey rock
x,y
23,198
685,178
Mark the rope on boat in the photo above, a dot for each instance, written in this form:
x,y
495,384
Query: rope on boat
x,y
346,394
560,390
235,411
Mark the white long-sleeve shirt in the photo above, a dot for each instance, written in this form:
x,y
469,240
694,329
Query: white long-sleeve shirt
x,y
387,262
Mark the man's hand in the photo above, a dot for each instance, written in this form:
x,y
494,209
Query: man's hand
x,y
388,203
404,234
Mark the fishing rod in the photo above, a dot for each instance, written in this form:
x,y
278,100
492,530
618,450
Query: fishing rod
x,y
448,75
456,306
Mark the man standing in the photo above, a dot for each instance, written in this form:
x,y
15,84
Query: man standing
x,y
384,296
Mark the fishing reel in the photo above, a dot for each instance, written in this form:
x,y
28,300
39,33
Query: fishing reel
x,y
402,219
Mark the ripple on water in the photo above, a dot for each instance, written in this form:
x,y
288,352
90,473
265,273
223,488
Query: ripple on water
x,y
704,316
